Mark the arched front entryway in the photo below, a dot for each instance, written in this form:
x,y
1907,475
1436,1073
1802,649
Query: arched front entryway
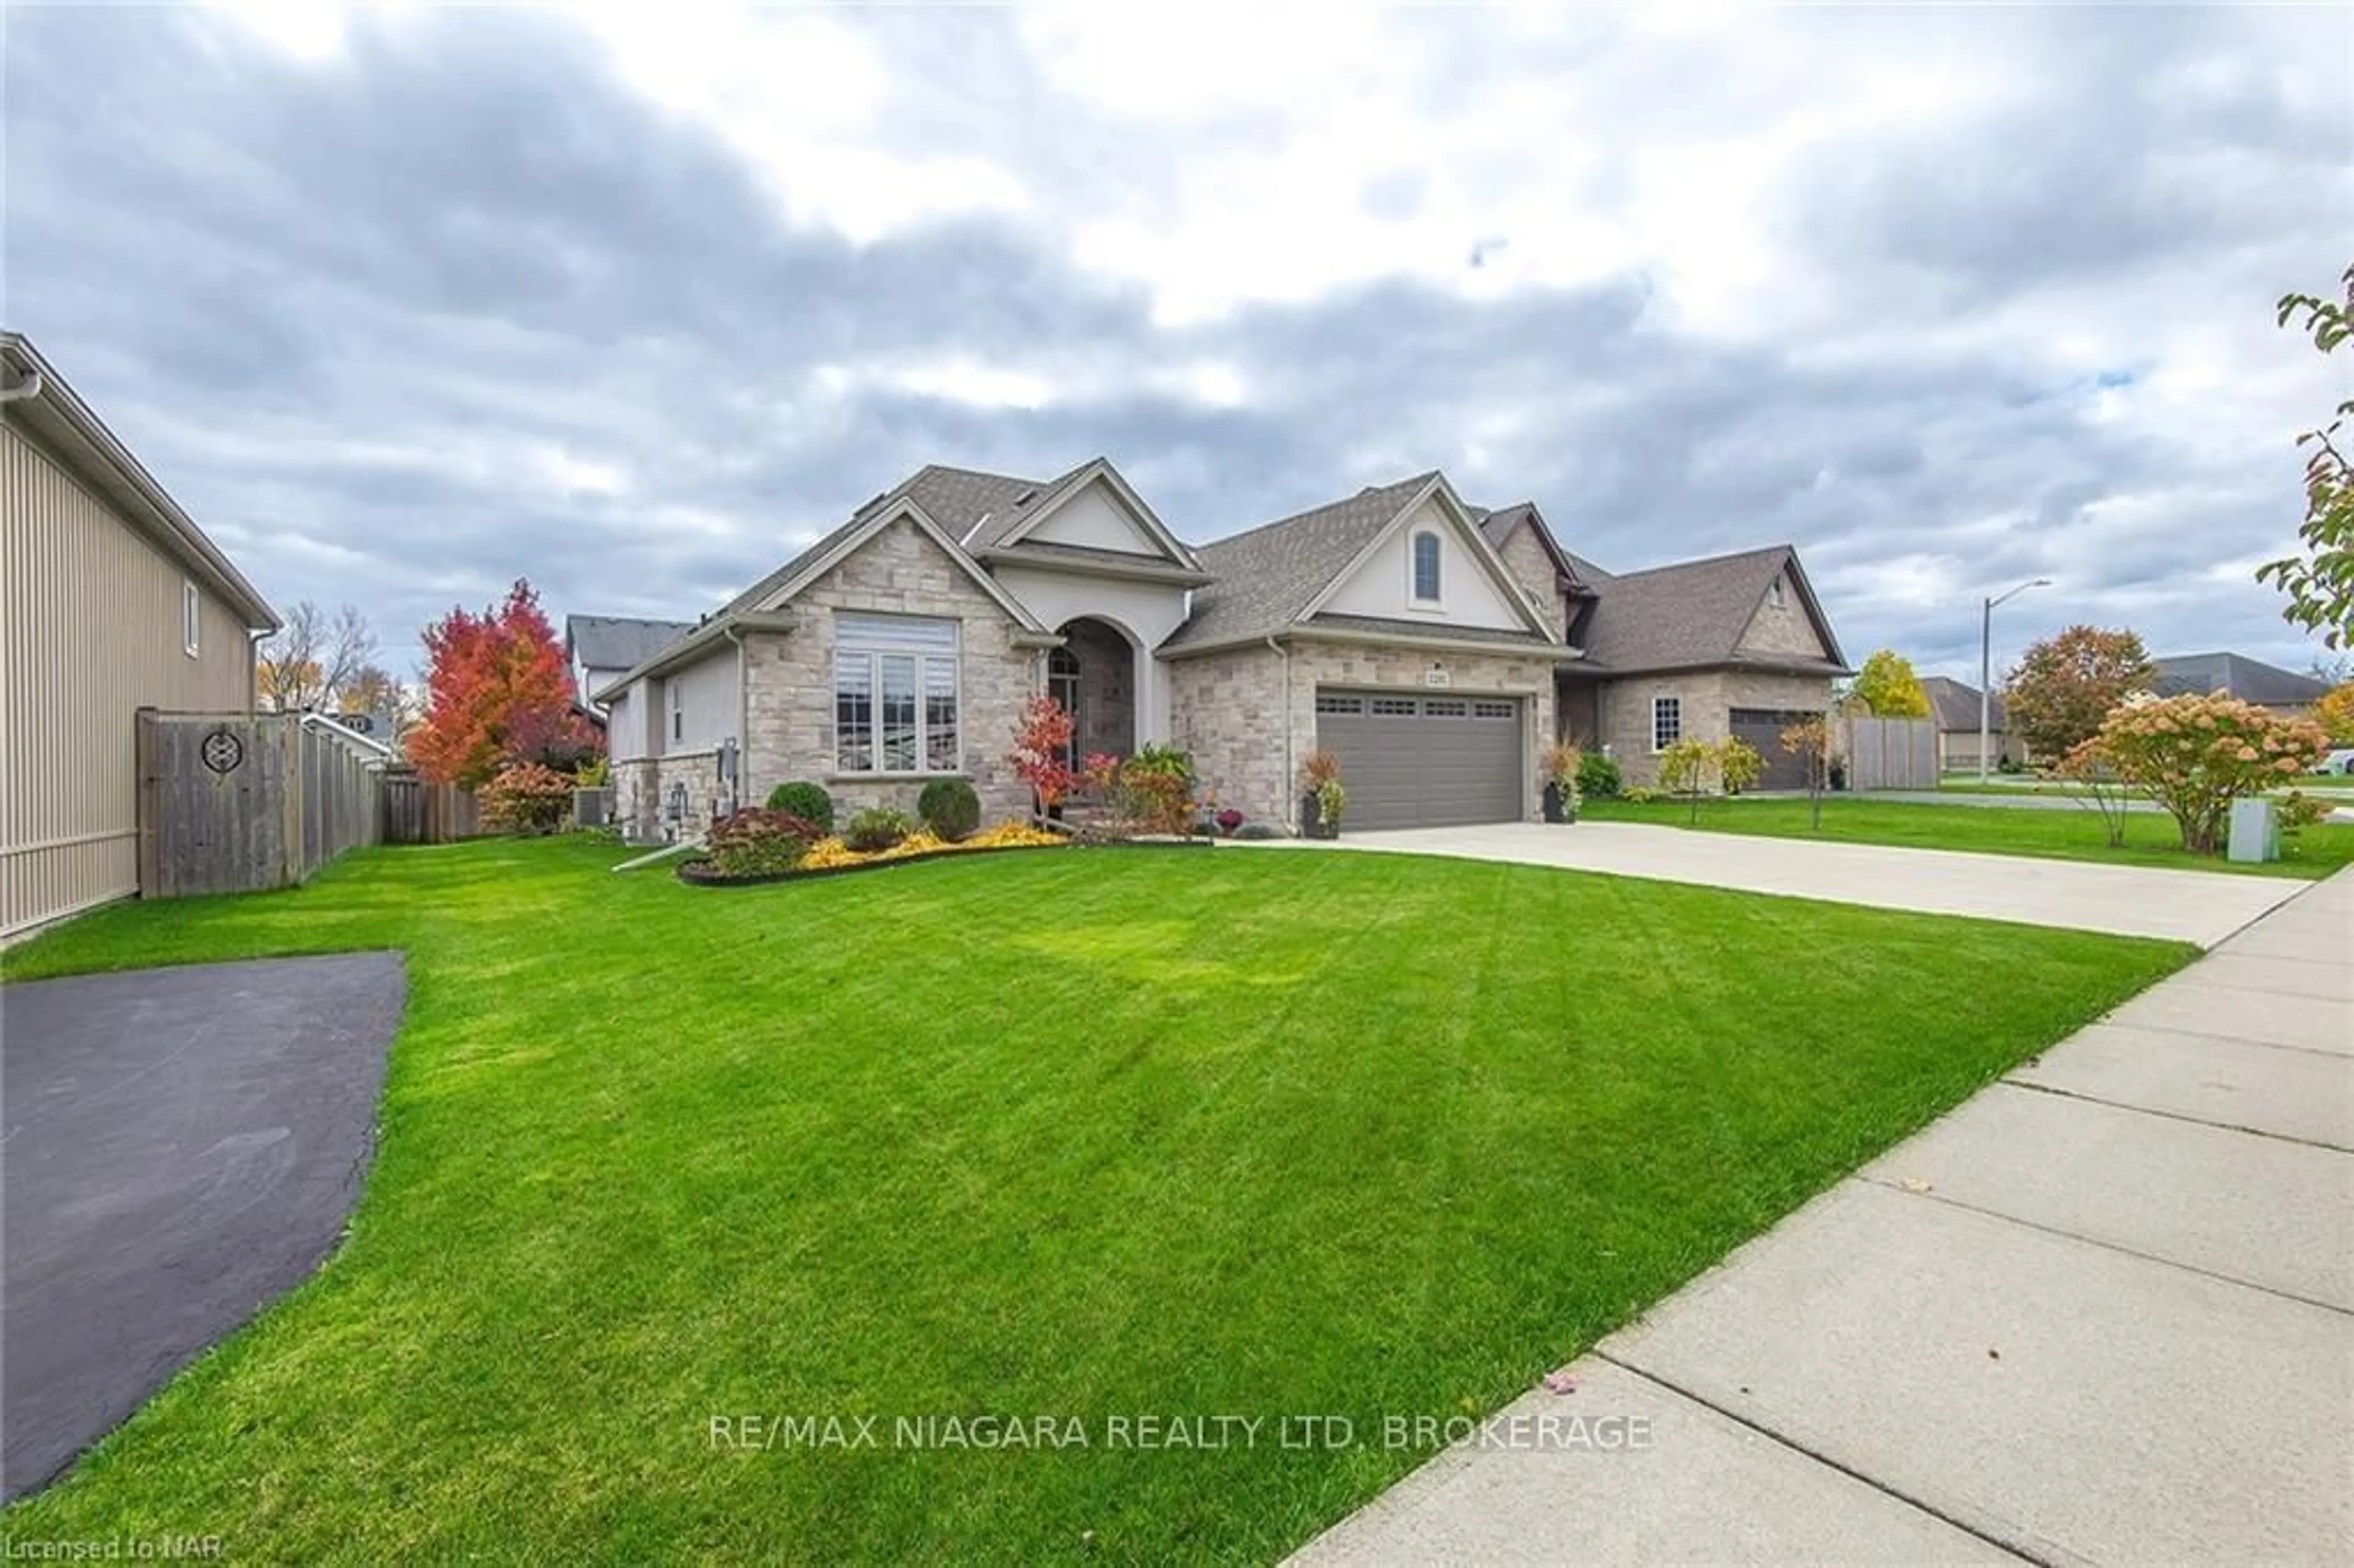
x,y
1093,674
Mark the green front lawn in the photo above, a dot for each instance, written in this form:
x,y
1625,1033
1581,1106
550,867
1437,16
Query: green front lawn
x,y
1088,1135
2152,838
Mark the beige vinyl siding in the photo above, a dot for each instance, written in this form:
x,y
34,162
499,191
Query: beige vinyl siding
x,y
91,630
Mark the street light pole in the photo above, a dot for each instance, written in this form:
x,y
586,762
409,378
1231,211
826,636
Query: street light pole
x,y
1985,667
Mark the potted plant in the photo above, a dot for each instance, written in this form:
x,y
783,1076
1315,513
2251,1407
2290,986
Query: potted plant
x,y
1228,821
1559,763
1322,796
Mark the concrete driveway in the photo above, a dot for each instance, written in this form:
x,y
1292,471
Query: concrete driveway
x,y
181,1148
2102,1313
2201,906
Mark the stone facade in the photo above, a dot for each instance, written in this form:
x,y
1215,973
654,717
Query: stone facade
x,y
1227,710
1708,698
1249,715
1782,629
1526,555
641,787
788,678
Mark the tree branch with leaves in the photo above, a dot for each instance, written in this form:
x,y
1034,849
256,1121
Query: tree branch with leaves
x,y
2319,579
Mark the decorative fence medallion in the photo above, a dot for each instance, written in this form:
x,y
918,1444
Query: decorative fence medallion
x,y
223,751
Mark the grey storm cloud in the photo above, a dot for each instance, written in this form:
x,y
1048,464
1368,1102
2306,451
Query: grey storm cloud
x,y
382,320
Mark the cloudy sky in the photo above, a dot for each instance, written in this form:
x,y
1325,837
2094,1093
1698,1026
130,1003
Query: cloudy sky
x,y
636,299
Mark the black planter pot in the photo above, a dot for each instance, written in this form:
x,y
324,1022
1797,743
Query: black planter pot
x,y
1553,811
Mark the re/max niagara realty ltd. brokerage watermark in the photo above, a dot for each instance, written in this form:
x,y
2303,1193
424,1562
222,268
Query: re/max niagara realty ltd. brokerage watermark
x,y
796,1433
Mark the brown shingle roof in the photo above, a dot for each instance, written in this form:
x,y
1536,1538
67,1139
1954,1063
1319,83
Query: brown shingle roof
x,y
1955,705
2235,674
1263,579
955,498
1693,613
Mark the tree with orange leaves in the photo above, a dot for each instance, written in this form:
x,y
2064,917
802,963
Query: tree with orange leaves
x,y
498,691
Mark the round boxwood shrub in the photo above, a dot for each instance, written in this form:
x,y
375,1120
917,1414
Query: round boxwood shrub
x,y
875,828
806,800
950,808
1259,832
1597,777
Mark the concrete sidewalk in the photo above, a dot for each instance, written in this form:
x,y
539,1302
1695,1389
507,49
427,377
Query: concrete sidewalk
x,y
2104,1312
2201,906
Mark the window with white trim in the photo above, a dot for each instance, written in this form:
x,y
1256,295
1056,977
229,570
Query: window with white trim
x,y
1667,722
1774,592
192,616
895,695
1426,567
677,689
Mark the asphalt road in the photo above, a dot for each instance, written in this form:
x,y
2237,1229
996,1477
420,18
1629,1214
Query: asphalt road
x,y
180,1148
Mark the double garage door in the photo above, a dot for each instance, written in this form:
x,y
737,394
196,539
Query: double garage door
x,y
1423,761
1763,727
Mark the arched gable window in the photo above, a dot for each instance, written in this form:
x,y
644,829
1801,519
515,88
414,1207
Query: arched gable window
x,y
1426,567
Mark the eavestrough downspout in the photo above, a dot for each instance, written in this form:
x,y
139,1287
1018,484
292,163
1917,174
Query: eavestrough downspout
x,y
742,718
1291,768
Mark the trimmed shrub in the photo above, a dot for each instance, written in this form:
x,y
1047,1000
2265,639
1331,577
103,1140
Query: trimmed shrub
x,y
757,842
1597,777
806,800
875,828
526,797
950,808
1259,832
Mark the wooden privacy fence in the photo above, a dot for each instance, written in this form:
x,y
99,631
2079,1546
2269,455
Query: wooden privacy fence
x,y
1889,753
418,812
238,802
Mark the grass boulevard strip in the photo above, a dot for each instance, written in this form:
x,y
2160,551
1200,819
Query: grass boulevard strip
x,y
1347,1136
2152,838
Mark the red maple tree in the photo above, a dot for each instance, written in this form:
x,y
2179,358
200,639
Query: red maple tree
x,y
498,691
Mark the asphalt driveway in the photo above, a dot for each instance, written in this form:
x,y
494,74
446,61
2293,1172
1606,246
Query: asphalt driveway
x,y
181,1147
2201,906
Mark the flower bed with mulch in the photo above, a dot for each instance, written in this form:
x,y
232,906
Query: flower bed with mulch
x,y
831,857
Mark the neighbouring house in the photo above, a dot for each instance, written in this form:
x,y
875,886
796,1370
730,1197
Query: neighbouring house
x,y
1432,644
115,601
604,648
2285,692
1954,707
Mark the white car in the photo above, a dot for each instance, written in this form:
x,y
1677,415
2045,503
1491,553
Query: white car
x,y
2340,761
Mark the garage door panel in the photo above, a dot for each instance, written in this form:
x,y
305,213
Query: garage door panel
x,y
1423,761
1762,728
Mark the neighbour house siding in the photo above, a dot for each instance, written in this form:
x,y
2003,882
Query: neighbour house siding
x,y
1532,564
1782,630
1709,697
1249,717
790,676
90,633
1381,587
